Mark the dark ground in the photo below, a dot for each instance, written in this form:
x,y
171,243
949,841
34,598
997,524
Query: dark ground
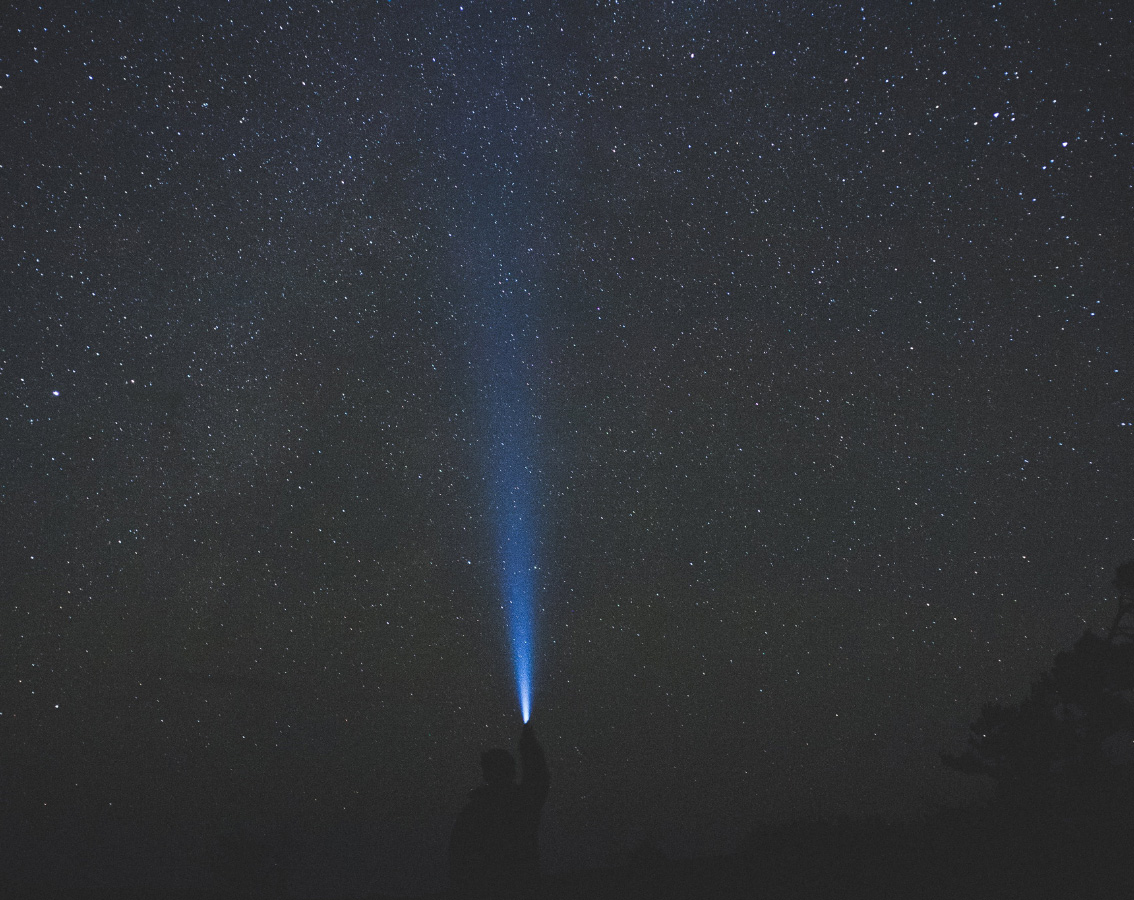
x,y
973,853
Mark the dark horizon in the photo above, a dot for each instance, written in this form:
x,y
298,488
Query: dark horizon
x,y
795,339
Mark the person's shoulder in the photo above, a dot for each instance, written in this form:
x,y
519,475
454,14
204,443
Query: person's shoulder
x,y
517,796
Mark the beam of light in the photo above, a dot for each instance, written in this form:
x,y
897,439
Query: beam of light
x,y
517,583
498,246
503,346
514,506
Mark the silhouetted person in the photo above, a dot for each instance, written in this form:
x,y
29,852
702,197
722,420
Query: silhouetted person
x,y
494,850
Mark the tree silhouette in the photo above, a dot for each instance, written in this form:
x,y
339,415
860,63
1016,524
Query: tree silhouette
x,y
1069,745
1122,629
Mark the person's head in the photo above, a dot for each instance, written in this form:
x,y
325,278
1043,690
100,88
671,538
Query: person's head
x,y
498,766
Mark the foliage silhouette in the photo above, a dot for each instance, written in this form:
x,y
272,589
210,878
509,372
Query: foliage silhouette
x,y
1068,747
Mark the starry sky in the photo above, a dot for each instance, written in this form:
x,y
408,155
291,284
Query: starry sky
x,y
803,329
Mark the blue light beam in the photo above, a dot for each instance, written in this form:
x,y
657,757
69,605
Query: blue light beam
x,y
514,505
498,247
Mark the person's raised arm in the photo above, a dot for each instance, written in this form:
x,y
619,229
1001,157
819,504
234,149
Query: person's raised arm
x,y
535,779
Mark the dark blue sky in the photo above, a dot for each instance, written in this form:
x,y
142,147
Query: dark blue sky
x,y
813,322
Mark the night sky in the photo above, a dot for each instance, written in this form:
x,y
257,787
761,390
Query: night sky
x,y
797,336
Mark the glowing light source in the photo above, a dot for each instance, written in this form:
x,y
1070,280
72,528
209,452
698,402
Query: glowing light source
x,y
500,271
514,509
